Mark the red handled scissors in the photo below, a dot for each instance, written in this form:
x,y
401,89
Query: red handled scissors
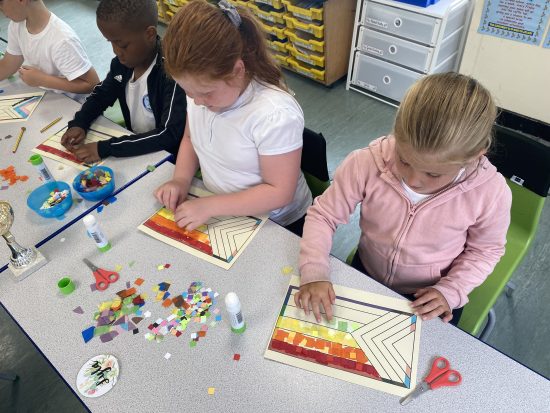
x,y
102,277
440,375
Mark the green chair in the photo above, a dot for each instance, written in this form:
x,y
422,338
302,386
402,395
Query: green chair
x,y
314,162
525,162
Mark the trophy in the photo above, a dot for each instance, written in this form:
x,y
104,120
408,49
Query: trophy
x,y
23,261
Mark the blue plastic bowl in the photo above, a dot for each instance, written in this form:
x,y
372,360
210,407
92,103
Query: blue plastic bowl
x,y
42,193
99,194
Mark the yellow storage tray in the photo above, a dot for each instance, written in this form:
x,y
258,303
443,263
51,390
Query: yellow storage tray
x,y
277,45
274,29
306,70
283,60
242,3
273,16
306,41
318,30
176,3
312,58
277,4
313,13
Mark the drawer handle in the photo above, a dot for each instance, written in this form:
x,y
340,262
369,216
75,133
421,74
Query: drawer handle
x,y
386,79
397,22
392,49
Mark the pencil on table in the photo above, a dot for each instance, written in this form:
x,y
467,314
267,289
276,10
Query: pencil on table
x,y
49,125
23,129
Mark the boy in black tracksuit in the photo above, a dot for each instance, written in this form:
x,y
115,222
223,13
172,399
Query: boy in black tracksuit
x,y
157,109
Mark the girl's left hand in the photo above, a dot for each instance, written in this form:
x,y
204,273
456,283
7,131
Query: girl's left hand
x,y
192,213
430,303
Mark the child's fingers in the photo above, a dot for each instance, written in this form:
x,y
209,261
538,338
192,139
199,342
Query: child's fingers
x,y
332,294
297,299
304,298
447,316
423,299
316,308
433,314
328,307
430,306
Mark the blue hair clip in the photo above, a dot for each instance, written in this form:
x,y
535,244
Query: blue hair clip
x,y
231,12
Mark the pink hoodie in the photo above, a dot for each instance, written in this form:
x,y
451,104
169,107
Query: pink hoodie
x,y
451,241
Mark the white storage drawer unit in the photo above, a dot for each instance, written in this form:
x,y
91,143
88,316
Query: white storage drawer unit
x,y
396,44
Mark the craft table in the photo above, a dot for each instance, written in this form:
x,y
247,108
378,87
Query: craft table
x,y
29,228
492,382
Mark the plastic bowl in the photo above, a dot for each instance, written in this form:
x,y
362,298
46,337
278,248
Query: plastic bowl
x,y
42,193
99,194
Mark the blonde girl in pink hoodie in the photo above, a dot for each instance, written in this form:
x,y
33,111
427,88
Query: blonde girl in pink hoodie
x,y
434,210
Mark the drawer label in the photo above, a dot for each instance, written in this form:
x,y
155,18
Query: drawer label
x,y
376,22
305,59
366,85
373,50
302,16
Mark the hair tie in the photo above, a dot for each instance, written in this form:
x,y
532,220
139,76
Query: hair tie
x,y
231,12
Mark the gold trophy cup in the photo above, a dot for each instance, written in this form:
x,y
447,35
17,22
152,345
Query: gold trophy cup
x,y
23,261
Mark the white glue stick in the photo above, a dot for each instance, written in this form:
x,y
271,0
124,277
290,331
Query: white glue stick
x,y
42,169
95,232
233,307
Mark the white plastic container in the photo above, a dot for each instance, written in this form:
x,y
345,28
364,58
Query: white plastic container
x,y
94,231
233,307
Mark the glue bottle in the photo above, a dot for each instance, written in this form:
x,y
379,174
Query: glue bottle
x,y
233,307
43,171
94,231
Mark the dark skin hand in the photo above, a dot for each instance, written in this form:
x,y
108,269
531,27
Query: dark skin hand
x,y
73,137
87,152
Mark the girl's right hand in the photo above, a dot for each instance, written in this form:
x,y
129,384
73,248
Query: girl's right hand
x,y
315,294
171,194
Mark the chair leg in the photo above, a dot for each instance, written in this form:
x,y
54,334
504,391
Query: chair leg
x,y
8,376
491,321
510,288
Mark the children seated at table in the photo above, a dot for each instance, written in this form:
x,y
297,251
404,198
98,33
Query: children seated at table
x,y
434,210
153,105
44,50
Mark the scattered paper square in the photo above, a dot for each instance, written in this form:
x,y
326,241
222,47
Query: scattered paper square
x,y
211,390
167,356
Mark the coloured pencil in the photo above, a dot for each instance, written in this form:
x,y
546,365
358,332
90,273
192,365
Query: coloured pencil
x,y
23,129
49,125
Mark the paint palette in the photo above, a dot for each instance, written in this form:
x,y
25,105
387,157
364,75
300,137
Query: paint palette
x,y
98,375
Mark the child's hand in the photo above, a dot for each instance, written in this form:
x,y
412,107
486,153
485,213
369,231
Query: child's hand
x,y
170,194
31,76
192,213
73,137
314,294
430,303
87,153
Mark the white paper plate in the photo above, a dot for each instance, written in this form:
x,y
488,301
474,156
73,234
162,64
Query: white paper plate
x,y
97,376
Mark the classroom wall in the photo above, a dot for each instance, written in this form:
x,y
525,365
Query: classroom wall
x,y
517,74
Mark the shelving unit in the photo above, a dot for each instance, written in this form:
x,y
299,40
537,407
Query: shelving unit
x,y
395,44
312,41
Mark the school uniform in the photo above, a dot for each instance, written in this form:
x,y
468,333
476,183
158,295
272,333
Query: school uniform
x,y
263,121
153,106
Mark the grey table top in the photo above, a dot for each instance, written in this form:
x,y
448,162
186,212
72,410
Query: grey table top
x,y
492,382
30,228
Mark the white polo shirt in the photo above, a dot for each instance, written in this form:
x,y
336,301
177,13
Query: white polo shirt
x,y
137,98
56,50
263,121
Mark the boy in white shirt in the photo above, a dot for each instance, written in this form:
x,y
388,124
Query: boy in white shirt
x,y
44,50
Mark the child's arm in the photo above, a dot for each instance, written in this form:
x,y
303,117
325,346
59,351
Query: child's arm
x,y
104,95
485,244
166,137
9,65
36,78
279,174
328,211
173,193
